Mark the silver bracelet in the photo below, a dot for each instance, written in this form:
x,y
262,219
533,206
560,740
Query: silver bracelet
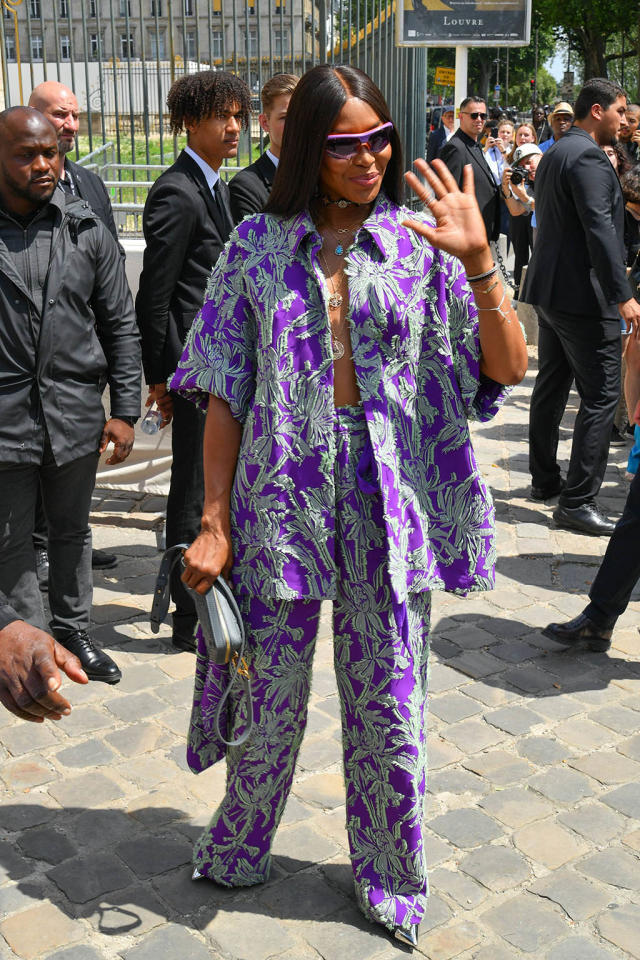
x,y
488,289
483,276
499,309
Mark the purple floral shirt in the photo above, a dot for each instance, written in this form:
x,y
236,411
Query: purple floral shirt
x,y
262,343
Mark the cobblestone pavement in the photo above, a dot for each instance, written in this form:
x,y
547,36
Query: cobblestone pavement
x,y
534,787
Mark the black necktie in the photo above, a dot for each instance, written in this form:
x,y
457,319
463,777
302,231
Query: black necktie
x,y
225,214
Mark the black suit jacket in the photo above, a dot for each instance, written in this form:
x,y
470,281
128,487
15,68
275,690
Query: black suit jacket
x,y
250,188
185,231
437,139
461,150
578,261
90,187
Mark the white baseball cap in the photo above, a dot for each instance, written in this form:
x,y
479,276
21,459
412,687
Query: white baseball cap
x,y
526,150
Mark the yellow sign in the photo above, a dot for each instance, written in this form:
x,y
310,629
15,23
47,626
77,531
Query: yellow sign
x,y
446,76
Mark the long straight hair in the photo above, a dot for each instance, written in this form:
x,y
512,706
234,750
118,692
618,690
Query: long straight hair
x,y
313,110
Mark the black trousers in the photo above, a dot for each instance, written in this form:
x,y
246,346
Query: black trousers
x,y
66,496
620,568
587,350
522,240
185,500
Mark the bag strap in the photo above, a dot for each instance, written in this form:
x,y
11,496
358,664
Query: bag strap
x,y
159,610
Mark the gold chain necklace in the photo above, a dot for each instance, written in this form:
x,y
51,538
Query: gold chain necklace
x,y
335,302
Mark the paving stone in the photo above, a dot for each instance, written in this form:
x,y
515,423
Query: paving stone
x,y
622,928
445,943
30,810
84,720
135,739
608,767
632,840
618,718
514,651
91,753
594,821
330,706
625,799
303,897
443,678
469,636
516,806
88,790
101,828
526,923
514,720
616,867
149,856
528,678
493,951
549,844
45,843
148,771
499,767
134,706
26,738
170,943
579,899
584,734
40,928
134,911
455,781
562,785
476,664
12,865
496,867
452,707
559,707
492,694
441,754
82,952
631,747
87,877
471,736
322,789
543,750
19,896
436,851
318,754
24,774
466,827
578,948
249,937
454,884
301,846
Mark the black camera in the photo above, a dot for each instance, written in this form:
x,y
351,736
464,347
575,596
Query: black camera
x,y
519,176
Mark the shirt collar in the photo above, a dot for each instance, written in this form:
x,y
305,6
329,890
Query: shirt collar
x,y
211,176
379,221
274,160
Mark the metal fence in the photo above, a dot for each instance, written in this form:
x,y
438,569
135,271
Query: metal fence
x,y
121,56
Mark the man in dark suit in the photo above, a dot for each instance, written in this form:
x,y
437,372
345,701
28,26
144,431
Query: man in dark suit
x,y
59,105
250,188
464,148
440,136
186,222
577,282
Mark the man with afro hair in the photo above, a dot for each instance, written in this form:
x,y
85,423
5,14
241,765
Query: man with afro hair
x,y
186,222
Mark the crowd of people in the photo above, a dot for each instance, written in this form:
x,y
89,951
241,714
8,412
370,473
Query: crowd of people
x,y
320,402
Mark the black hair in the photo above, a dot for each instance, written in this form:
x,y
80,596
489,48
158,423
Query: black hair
x,y
195,96
630,183
597,90
474,99
313,109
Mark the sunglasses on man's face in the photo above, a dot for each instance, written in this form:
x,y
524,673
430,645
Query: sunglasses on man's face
x,y
344,146
476,115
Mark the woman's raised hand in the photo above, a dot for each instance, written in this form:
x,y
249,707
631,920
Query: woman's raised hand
x,y
459,228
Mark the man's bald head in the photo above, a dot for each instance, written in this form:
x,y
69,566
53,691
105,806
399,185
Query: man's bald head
x,y
60,106
29,160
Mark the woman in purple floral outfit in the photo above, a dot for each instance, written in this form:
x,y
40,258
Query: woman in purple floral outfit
x,y
340,354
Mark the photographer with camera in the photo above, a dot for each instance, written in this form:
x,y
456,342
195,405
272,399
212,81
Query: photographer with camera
x,y
518,181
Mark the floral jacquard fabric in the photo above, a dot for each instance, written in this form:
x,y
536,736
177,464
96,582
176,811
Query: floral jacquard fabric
x,y
262,343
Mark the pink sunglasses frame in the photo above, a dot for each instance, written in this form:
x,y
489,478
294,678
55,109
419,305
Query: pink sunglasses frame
x,y
363,139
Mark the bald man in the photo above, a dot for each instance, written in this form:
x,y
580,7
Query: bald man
x,y
60,107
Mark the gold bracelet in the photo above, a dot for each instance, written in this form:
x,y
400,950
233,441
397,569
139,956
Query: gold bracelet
x,y
499,309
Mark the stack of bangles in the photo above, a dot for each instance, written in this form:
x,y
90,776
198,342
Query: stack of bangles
x,y
492,282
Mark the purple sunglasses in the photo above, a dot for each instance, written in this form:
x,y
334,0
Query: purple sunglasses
x,y
343,146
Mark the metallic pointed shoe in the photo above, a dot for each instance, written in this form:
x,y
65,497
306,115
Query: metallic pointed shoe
x,y
580,629
408,936
196,875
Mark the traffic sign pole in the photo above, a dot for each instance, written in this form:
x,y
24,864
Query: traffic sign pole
x,y
462,64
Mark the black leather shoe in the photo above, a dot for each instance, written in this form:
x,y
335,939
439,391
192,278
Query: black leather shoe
x,y
100,560
548,491
42,569
617,439
96,663
182,641
579,629
586,519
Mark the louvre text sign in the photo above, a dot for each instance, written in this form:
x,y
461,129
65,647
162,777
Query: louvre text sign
x,y
472,23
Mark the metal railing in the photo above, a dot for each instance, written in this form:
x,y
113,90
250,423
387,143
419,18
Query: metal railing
x,y
121,56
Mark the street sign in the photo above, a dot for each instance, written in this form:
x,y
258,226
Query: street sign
x,y
446,76
472,23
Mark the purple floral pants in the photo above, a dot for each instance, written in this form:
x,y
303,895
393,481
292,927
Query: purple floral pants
x,y
381,651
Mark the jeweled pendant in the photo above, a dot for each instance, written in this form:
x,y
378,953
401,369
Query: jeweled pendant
x,y
339,250
338,348
335,301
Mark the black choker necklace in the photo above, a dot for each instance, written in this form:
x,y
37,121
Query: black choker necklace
x,y
342,203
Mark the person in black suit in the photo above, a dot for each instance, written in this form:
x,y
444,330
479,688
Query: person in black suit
x,y
250,188
464,148
577,282
440,136
186,222
60,106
